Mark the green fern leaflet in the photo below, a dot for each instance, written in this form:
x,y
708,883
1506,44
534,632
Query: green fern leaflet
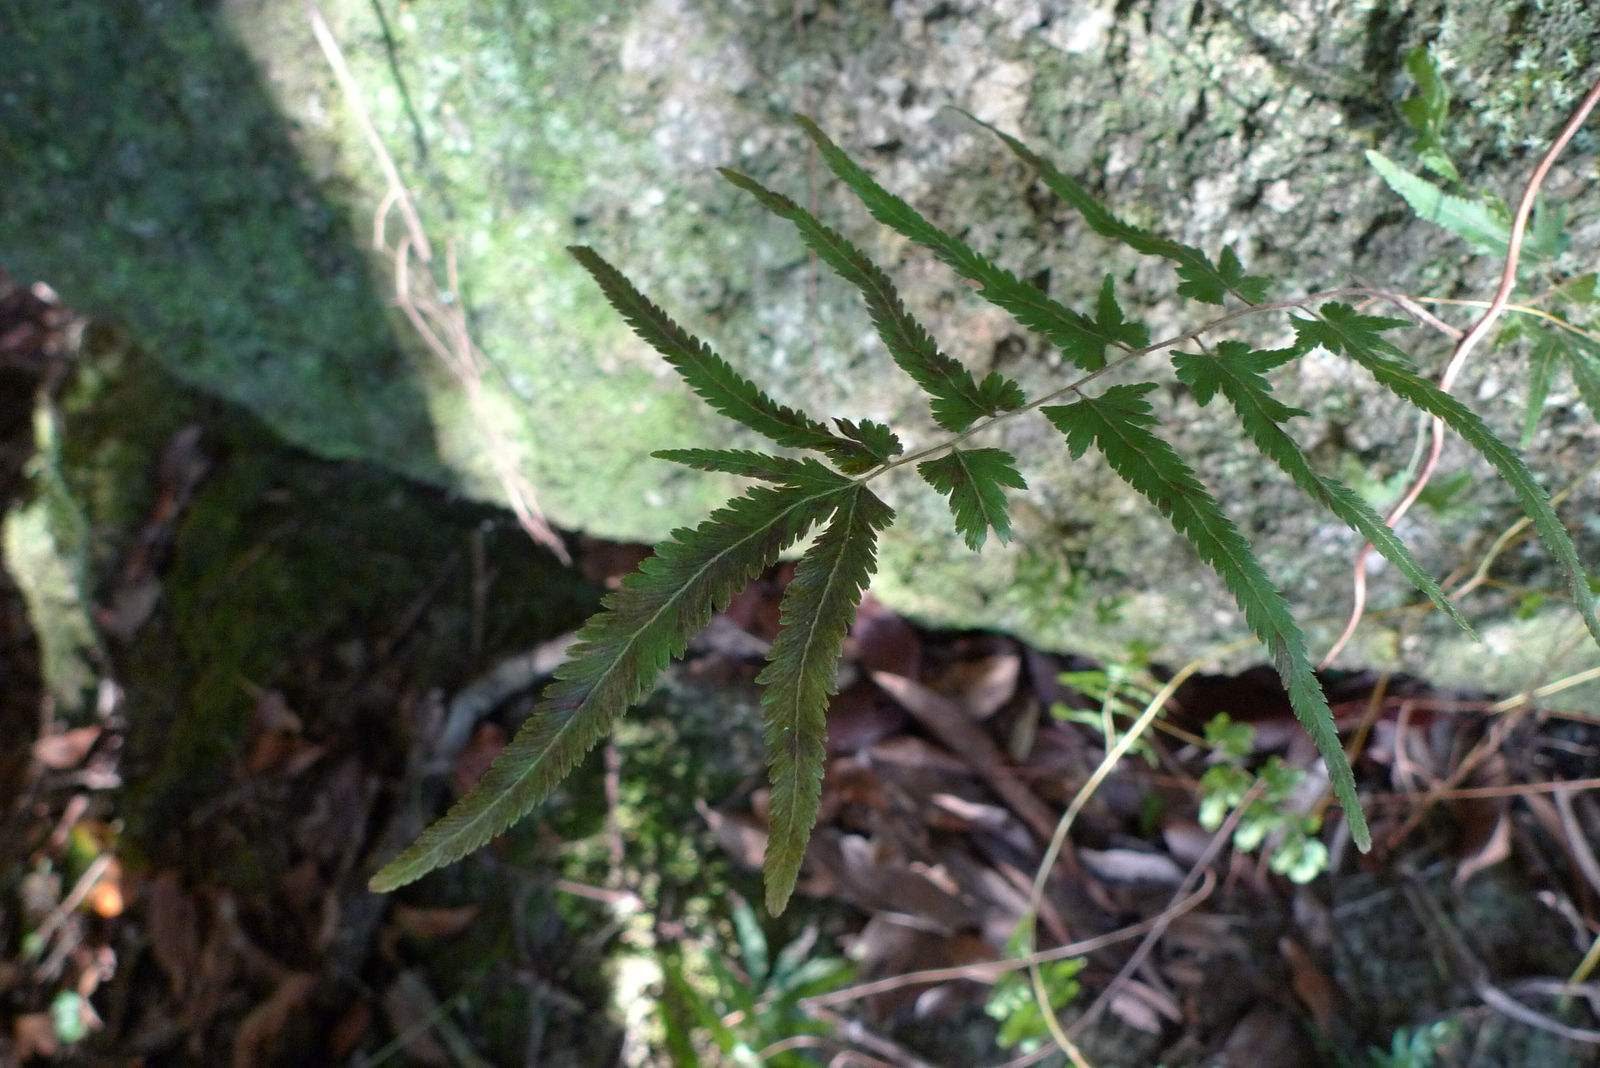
x,y
1117,424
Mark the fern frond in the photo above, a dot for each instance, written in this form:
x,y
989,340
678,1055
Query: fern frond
x,y
1117,424
1427,111
816,611
1339,329
1486,227
708,374
619,652
1202,280
1081,340
957,400
972,478
748,464
1237,373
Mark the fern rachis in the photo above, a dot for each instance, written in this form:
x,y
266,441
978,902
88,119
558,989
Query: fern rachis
x,y
696,572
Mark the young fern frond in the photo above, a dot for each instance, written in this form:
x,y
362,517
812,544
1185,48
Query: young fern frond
x,y
1582,359
1483,225
696,572
878,443
745,463
972,478
958,400
1117,424
708,374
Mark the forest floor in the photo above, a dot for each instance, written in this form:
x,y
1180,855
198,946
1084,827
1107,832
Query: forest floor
x,y
288,666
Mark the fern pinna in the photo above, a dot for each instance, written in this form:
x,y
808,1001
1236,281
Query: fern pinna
x,y
695,573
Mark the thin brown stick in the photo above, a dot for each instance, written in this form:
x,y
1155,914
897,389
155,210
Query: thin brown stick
x,y
989,971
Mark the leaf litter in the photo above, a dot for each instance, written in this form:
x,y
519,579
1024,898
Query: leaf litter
x,y
950,761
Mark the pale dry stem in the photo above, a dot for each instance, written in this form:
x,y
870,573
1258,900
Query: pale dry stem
x,y
440,322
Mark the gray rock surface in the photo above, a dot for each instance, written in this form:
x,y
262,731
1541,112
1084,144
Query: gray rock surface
x,y
197,175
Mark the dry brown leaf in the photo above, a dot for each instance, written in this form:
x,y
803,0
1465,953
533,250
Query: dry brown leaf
x,y
1141,1006
952,813
982,687
1485,822
221,961
846,781
871,876
172,924
960,735
253,1042
475,758
67,749
1268,1037
742,837
1131,866
1491,850
407,1001
33,1035
1310,984
880,640
425,923
274,733
918,754
350,1030
861,715
890,945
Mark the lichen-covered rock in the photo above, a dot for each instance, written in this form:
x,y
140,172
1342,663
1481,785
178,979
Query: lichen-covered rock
x,y
199,174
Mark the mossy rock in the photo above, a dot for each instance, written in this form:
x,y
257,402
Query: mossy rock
x,y
233,192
